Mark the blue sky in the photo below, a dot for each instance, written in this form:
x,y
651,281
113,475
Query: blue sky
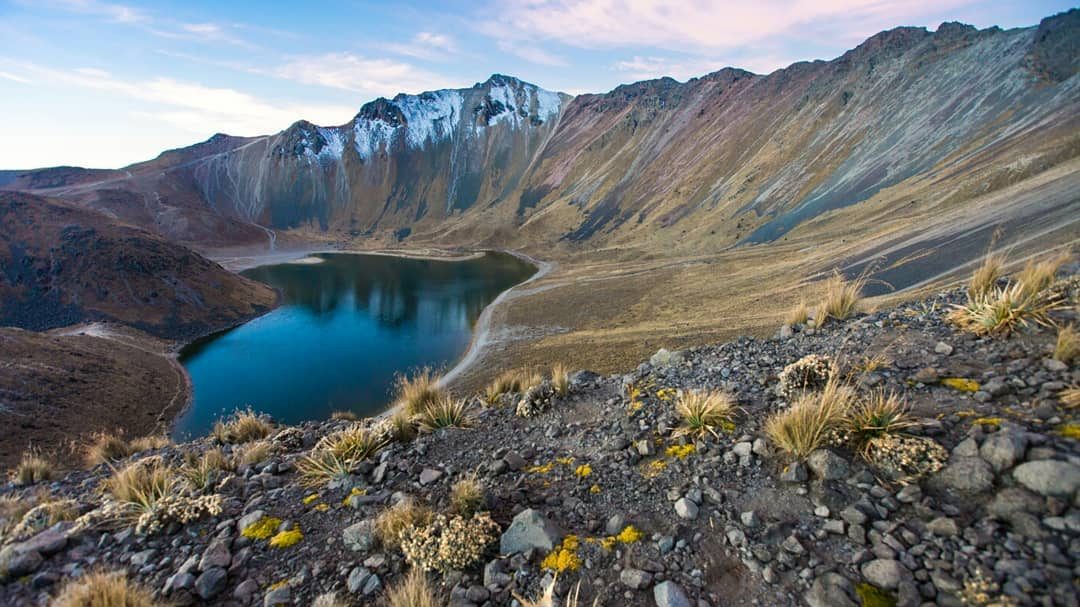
x,y
104,84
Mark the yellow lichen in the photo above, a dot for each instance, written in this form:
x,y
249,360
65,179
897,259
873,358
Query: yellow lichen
x,y
563,557
321,507
279,584
665,394
634,407
311,498
654,468
629,535
608,543
355,491
680,451
262,528
565,461
1070,430
595,489
284,539
583,470
961,384
987,421
541,469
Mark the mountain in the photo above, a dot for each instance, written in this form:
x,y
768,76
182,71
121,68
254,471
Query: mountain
x,y
62,264
909,117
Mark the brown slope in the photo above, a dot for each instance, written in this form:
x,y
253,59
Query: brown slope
x,y
61,264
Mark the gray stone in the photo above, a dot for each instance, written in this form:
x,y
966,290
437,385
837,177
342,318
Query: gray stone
x,y
1049,477
1052,364
943,526
1003,449
966,448
21,563
250,519
357,578
277,596
665,358
529,530
216,555
943,348
686,509
670,594
794,473
827,465
743,449
635,578
884,573
830,590
615,524
245,590
430,475
210,582
967,475
1011,500
359,537
179,581
47,542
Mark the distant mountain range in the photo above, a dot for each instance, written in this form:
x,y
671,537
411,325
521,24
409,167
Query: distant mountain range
x,y
731,157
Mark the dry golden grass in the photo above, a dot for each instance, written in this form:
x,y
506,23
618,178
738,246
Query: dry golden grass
x,y
704,412
104,589
142,484
1037,276
1003,311
467,496
392,521
880,414
798,315
106,447
149,443
355,443
204,471
446,412
511,382
402,426
347,416
243,426
33,468
322,466
414,590
1070,397
417,391
560,379
329,599
803,427
12,509
1067,347
842,297
254,453
547,598
984,279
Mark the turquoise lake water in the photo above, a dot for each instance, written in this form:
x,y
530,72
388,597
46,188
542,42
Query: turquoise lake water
x,y
345,327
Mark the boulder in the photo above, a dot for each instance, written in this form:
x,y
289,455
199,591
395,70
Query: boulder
x,y
831,590
635,578
359,537
211,582
884,573
670,594
1049,477
529,530
686,509
967,475
1003,449
827,465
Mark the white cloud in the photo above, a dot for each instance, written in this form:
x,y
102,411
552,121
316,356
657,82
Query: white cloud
x,y
429,46
646,68
367,76
531,52
119,13
698,26
14,77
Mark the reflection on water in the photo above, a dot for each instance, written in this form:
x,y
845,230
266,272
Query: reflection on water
x,y
344,328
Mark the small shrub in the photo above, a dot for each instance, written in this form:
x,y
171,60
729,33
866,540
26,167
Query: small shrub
x,y
842,298
32,468
560,379
801,429
703,412
446,412
254,453
904,458
106,448
203,472
1067,347
449,543
799,314
103,589
809,373
392,521
243,427
883,413
980,590
414,590
467,496
416,392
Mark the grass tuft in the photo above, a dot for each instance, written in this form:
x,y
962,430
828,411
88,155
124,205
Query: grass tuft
x,y
103,589
417,391
803,427
106,447
149,443
391,522
842,297
1067,347
880,414
254,453
347,416
142,484
322,466
703,412
414,590
1070,397
353,443
560,379
203,472
799,314
446,412
1037,276
329,599
402,426
467,496
985,278
32,468
511,382
243,426
1003,311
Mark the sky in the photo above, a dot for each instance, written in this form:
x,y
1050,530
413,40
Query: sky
x,y
105,84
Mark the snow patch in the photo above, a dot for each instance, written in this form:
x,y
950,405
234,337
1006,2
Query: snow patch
x,y
429,116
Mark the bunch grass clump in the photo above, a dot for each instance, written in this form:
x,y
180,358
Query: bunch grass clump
x,y
985,277
32,468
705,412
1003,311
467,496
243,426
1067,346
142,484
347,416
560,379
203,472
798,314
1070,397
841,299
446,412
104,589
880,414
512,382
1038,275
252,454
106,447
806,425
547,597
415,392
402,426
322,466
353,443
414,590
404,514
